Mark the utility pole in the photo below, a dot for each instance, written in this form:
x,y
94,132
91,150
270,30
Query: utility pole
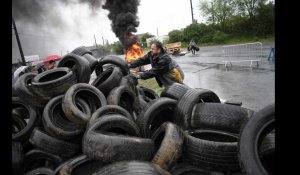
x,y
157,31
192,11
103,41
19,43
95,41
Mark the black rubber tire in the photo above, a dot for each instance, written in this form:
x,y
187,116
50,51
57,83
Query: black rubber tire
x,y
185,168
218,116
34,120
42,170
156,113
122,96
56,123
53,82
149,94
130,82
81,51
115,138
108,79
267,152
87,92
109,109
139,105
175,91
23,89
258,126
168,140
132,168
18,123
187,102
267,146
37,158
81,165
111,59
79,65
50,144
17,157
211,150
13,90
88,55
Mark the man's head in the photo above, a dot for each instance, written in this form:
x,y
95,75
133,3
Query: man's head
x,y
156,47
51,62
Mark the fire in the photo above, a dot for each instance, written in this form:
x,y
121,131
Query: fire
x,y
134,51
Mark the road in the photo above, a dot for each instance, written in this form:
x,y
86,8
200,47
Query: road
x,y
254,87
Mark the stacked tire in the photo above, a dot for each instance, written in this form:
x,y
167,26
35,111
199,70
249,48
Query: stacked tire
x,y
64,125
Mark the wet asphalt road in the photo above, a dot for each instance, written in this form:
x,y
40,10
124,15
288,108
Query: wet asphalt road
x,y
254,87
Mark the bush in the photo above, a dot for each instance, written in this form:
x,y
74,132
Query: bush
x,y
176,36
219,37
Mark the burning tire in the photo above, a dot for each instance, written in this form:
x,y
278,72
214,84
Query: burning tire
x,y
79,65
53,82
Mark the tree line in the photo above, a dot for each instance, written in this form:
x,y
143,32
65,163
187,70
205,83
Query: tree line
x,y
229,19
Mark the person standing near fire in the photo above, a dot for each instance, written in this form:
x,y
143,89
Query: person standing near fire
x,y
165,70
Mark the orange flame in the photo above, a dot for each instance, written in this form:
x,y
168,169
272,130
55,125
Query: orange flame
x,y
134,52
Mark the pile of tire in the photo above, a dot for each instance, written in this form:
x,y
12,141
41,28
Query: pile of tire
x,y
63,125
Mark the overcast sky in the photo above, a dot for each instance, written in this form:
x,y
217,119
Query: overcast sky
x,y
77,25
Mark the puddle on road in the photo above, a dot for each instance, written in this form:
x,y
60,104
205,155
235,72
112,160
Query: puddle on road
x,y
205,66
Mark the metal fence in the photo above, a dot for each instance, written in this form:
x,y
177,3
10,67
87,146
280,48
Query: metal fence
x,y
247,51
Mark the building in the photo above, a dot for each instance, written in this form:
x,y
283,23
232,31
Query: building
x,y
163,39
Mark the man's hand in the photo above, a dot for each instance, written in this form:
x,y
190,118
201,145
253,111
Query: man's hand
x,y
136,75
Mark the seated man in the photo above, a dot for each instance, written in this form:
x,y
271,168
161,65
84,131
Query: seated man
x,y
165,70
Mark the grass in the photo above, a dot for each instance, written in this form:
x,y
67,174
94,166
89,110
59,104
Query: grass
x,y
151,84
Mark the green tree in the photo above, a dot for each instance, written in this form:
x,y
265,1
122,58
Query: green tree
x,y
176,36
146,36
248,7
217,11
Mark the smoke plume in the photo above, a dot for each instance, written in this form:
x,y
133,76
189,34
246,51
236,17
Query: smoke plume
x,y
122,14
49,27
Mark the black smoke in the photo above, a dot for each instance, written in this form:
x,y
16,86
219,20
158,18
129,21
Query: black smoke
x,y
122,14
42,28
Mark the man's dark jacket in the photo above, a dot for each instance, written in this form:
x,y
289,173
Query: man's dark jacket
x,y
162,66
